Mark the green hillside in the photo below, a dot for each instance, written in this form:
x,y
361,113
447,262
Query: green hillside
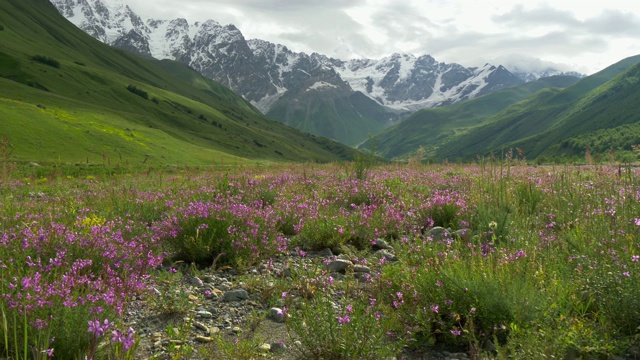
x,y
345,117
431,127
65,96
535,125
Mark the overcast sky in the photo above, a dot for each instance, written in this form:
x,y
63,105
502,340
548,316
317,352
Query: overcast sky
x,y
585,35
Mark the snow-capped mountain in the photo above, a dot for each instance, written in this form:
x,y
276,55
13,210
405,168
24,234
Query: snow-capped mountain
x,y
403,81
277,81
528,76
262,71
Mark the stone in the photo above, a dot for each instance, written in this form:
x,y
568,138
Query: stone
x,y
438,233
204,314
278,346
236,330
225,286
276,314
200,326
213,294
235,295
325,253
204,339
387,255
361,269
214,330
339,265
265,347
194,280
380,244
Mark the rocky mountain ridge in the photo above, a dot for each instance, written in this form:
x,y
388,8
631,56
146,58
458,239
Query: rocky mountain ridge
x,y
263,72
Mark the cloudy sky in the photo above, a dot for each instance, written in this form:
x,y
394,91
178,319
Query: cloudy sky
x,y
584,35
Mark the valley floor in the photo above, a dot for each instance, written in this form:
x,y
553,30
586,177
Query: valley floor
x,y
492,260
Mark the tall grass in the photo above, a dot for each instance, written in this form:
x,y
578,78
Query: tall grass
x,y
545,262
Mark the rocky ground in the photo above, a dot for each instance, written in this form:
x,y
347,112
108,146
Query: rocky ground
x,y
225,313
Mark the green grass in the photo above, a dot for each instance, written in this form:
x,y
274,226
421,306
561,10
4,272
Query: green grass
x,y
547,266
347,118
85,108
604,100
431,127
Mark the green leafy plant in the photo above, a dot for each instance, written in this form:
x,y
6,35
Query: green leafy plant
x,y
359,330
167,297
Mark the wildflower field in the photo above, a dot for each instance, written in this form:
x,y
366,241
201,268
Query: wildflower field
x,y
497,260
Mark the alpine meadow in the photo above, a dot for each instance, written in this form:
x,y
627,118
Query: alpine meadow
x,y
170,190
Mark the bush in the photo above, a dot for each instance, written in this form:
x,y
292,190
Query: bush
x,y
46,60
362,330
135,90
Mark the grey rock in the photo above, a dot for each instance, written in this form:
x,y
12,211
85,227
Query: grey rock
x,y
325,253
361,269
225,286
200,326
276,314
339,265
204,314
438,233
209,279
194,280
235,295
278,346
387,255
203,339
214,330
380,244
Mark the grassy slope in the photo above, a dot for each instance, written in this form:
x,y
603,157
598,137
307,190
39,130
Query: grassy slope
x,y
348,118
430,127
550,116
86,110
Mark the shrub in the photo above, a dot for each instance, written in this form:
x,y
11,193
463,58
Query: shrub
x,y
361,330
135,90
46,60
224,232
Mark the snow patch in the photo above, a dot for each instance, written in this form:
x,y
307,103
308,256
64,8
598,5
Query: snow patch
x,y
321,85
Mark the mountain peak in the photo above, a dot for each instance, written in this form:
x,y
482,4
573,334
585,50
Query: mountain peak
x,y
271,76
